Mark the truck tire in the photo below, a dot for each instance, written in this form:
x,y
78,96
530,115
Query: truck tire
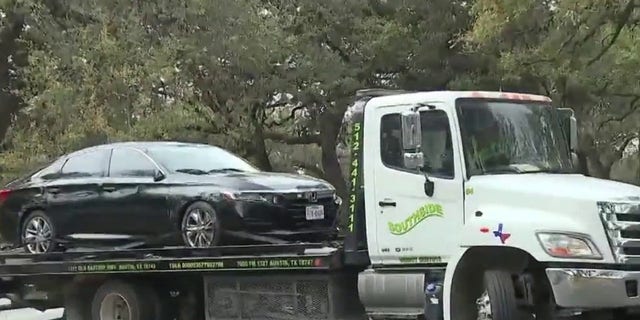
x,y
77,300
116,299
76,308
501,296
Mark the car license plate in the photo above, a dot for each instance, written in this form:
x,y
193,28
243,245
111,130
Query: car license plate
x,y
315,212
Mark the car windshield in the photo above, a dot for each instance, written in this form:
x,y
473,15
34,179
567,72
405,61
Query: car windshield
x,y
199,159
502,136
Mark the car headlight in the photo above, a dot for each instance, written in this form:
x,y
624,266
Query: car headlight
x,y
567,245
239,196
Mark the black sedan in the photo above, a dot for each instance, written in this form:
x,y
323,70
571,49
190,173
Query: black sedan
x,y
162,193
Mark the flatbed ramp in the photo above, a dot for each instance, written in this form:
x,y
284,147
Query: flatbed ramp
x,y
283,281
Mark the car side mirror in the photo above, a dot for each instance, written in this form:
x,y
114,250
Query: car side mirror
x,y
158,176
569,125
412,140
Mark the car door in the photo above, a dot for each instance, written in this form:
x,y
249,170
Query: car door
x,y
414,226
136,203
73,197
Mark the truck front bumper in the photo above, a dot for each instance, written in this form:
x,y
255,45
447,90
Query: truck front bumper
x,y
594,288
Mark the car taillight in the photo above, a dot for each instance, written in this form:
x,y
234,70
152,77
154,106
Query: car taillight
x,y
4,194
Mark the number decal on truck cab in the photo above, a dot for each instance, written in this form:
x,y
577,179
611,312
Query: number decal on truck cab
x,y
353,175
424,212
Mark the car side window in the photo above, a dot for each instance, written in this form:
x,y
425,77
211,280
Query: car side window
x,y
49,172
127,162
436,144
89,164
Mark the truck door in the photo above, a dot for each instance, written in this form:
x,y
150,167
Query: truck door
x,y
413,227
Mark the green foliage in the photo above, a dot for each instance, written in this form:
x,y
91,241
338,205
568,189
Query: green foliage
x,y
271,80
582,53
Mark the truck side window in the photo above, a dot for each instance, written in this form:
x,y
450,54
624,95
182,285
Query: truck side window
x,y
391,141
436,144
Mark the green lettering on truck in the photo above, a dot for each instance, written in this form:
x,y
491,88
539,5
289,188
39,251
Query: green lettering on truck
x,y
424,212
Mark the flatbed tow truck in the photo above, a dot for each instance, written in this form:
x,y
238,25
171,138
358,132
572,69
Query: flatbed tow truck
x,y
434,231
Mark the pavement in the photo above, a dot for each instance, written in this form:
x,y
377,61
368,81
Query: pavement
x,y
28,314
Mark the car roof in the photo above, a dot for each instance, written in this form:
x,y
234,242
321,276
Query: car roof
x,y
139,145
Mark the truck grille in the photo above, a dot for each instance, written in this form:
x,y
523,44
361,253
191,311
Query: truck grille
x,y
622,225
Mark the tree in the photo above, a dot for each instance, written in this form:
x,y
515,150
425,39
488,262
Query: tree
x,y
581,53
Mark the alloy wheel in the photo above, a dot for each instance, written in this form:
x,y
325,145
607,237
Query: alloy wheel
x,y
198,228
483,303
38,235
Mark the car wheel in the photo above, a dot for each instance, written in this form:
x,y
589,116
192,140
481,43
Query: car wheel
x,y
200,226
38,233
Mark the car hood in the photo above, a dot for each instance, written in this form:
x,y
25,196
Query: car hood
x,y
553,186
256,181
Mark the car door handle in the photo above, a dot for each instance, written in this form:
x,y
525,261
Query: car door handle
x,y
53,190
108,188
387,203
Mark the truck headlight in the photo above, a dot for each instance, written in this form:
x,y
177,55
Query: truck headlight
x,y
568,245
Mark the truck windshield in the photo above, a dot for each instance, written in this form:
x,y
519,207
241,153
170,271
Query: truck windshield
x,y
501,136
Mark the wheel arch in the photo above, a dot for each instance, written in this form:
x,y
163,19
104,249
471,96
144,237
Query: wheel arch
x,y
182,208
467,276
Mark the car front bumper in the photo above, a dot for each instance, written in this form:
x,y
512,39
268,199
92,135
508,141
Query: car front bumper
x,y
594,288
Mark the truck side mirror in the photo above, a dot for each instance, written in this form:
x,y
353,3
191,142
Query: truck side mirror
x,y
411,140
569,125
411,131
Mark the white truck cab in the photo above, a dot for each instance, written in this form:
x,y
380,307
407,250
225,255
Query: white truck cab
x,y
476,192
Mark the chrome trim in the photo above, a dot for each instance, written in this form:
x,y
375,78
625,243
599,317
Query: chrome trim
x,y
620,220
312,196
592,288
293,193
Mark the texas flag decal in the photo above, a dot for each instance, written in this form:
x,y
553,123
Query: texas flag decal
x,y
502,235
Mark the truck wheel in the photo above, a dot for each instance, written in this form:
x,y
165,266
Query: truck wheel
x,y
498,301
76,307
118,300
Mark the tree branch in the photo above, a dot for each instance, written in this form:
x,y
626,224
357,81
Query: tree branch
x,y
335,48
626,142
202,129
309,167
287,139
622,21
633,107
285,120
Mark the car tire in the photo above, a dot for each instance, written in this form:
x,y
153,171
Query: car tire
x,y
204,223
38,224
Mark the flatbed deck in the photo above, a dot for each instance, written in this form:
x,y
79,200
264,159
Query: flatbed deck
x,y
306,256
